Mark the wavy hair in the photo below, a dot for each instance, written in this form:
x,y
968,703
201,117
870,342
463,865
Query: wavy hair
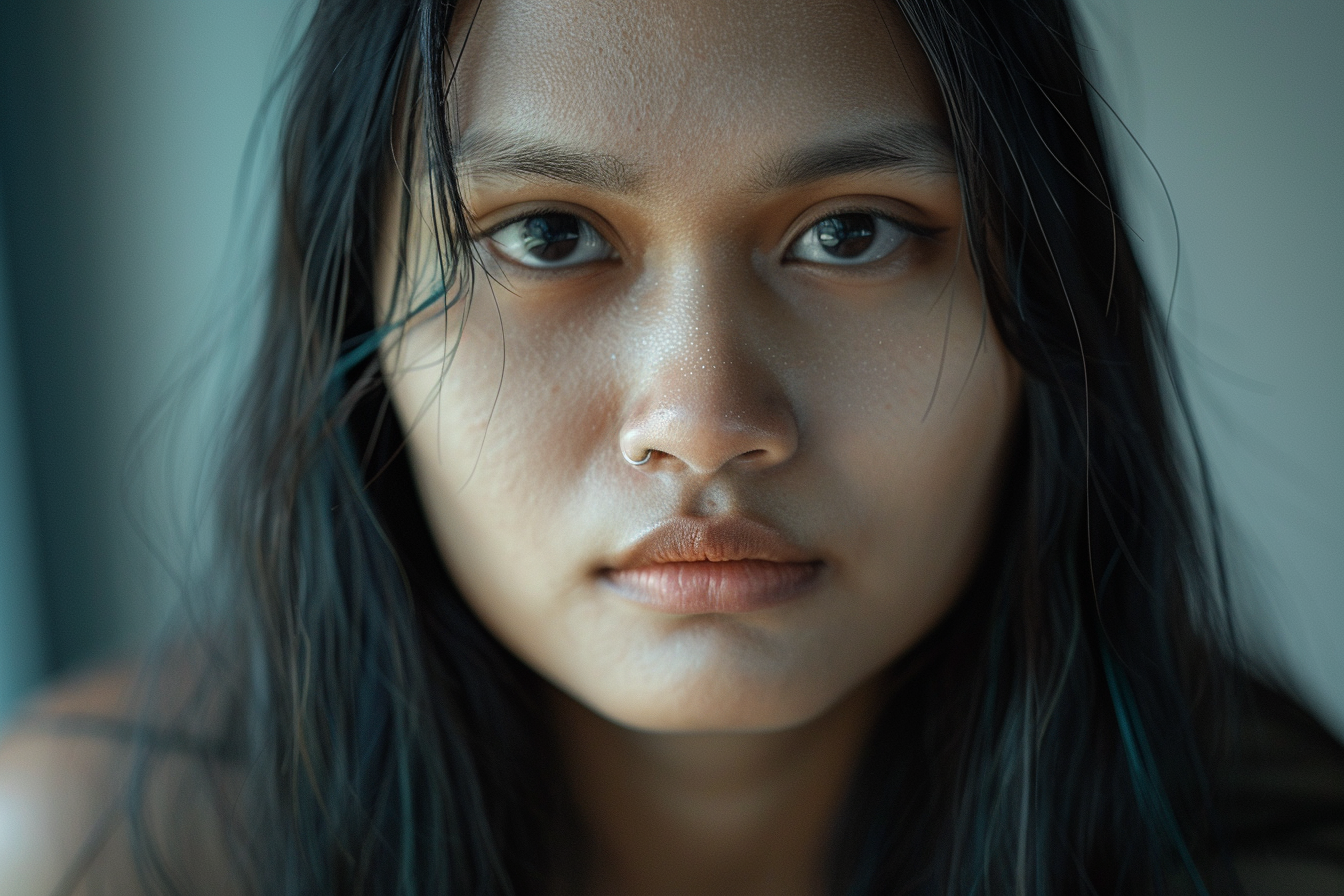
x,y
1062,713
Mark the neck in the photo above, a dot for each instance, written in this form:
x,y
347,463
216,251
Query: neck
x,y
711,814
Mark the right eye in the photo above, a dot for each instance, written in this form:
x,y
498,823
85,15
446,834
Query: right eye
x,y
551,240
849,238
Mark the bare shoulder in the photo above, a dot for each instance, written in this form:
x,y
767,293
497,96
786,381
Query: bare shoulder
x,y
57,788
66,767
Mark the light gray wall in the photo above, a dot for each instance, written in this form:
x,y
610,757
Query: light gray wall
x,y
1240,106
124,129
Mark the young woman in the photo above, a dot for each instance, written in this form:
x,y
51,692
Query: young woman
x,y
718,447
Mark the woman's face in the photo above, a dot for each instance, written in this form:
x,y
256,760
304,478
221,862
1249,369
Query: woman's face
x,y
724,238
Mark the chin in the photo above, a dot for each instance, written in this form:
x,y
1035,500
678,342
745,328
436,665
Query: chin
x,y
714,704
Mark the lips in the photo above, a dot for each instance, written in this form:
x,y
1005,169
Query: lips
x,y
727,565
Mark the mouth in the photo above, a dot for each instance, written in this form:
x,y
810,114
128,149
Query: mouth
x,y
727,565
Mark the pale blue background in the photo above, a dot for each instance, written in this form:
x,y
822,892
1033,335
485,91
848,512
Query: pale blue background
x,y
122,129
1241,107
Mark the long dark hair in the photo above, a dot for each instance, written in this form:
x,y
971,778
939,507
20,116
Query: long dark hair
x,y
1052,735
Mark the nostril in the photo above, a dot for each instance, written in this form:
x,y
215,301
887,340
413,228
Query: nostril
x,y
706,422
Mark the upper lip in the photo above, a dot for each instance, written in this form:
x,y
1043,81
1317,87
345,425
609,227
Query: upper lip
x,y
690,540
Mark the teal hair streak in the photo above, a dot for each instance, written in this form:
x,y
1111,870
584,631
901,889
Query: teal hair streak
x,y
1143,771
983,831
358,350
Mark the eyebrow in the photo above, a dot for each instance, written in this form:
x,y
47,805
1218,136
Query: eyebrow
x,y
498,154
907,146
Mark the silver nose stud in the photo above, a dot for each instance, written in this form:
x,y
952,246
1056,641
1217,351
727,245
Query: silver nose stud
x,y
648,453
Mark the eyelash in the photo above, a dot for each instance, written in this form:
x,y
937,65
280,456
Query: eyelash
x,y
914,229
523,216
910,227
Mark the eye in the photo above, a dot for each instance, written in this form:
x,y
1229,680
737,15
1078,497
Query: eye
x,y
551,240
850,238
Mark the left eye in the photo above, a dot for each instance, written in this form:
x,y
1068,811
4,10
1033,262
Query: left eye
x,y
851,238
551,240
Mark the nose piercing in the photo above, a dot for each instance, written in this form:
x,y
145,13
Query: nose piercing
x,y
648,453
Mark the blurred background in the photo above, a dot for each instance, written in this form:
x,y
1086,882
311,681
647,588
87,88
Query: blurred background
x,y
123,129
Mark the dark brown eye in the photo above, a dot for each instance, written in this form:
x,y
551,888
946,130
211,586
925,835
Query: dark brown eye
x,y
850,238
551,240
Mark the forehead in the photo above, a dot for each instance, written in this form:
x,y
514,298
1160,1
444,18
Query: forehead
x,y
666,82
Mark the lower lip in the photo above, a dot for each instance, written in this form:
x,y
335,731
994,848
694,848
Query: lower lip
x,y
732,586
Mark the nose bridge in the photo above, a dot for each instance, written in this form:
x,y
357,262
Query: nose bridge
x,y
708,393
700,326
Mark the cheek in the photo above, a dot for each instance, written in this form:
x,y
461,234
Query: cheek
x,y
501,435
921,412
933,493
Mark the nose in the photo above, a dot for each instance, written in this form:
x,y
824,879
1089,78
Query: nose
x,y
706,395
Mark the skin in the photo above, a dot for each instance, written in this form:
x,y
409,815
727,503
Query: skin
x,y
62,794
862,411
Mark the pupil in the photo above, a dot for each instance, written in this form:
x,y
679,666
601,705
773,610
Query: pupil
x,y
846,236
551,237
